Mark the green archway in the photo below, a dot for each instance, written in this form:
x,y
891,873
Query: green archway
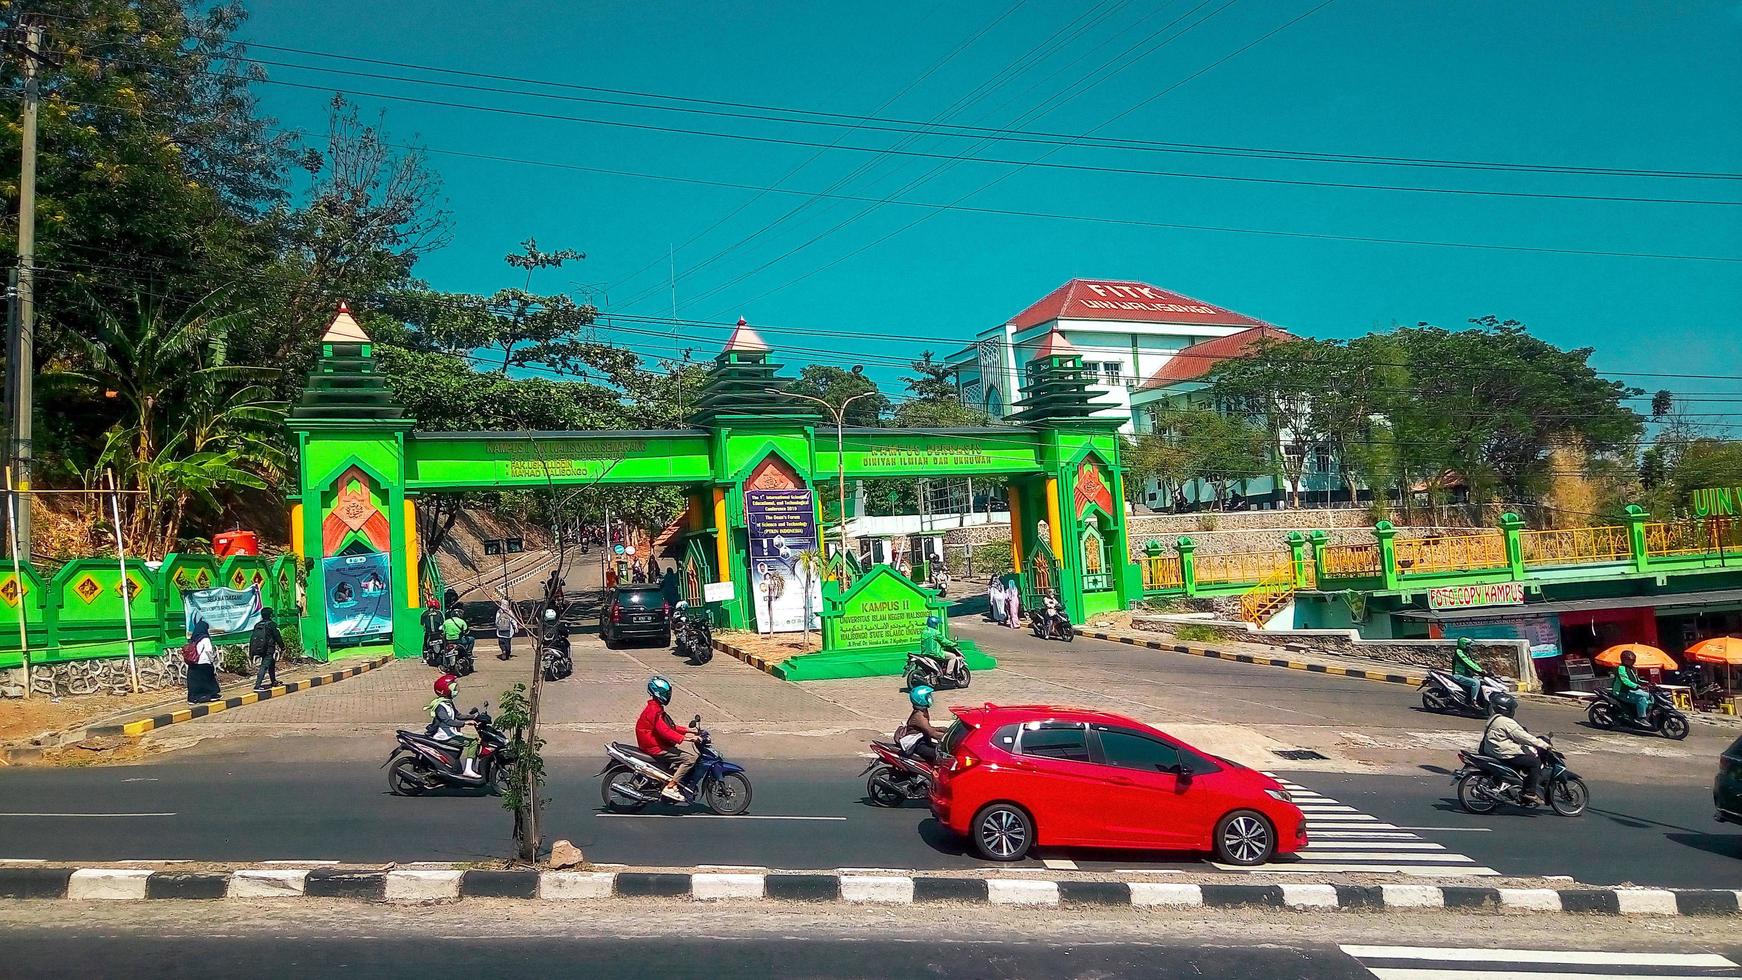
x,y
750,454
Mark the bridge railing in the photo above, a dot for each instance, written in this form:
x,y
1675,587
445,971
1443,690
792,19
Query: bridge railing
x,y
1575,546
1451,553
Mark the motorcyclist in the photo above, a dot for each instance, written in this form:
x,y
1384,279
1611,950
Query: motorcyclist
x,y
918,736
674,746
1628,688
934,644
447,724
1508,741
455,630
1467,672
1051,610
432,622
556,632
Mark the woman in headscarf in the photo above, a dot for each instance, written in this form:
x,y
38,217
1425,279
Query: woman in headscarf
x,y
1012,602
995,599
203,669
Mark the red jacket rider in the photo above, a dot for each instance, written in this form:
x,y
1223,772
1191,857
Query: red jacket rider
x,y
654,731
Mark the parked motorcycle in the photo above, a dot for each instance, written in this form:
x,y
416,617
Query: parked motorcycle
x,y
1441,694
556,663
1663,717
693,636
1484,782
933,673
633,779
455,658
896,776
420,762
1054,627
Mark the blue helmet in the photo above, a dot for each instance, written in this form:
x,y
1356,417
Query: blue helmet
x,y
920,696
659,689
932,621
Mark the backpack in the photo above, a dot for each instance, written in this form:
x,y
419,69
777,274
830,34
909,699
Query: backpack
x,y
190,652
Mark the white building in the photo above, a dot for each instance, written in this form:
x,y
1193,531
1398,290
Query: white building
x,y
1125,331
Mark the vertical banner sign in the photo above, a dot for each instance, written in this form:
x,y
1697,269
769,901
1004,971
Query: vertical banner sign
x,y
224,611
359,600
783,525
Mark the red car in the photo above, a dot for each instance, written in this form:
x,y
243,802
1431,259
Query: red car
x,y
1018,776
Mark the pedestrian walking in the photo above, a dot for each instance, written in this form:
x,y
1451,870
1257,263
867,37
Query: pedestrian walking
x,y
266,644
202,660
1012,603
505,626
554,587
995,599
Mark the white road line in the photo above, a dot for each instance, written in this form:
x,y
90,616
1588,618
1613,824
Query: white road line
x,y
23,861
1451,830
87,814
1147,871
1436,857
709,816
1392,845
299,864
1385,973
1567,957
1052,864
1311,808
1423,871
1376,835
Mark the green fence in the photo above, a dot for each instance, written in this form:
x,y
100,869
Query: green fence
x,y
80,611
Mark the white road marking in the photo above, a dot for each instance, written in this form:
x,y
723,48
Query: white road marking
x,y
87,814
1059,864
1383,973
1568,957
709,816
1390,845
1436,857
1316,868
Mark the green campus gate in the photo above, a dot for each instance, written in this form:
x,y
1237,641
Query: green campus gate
x,y
364,465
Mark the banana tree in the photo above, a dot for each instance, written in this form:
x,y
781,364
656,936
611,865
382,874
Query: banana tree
x,y
812,563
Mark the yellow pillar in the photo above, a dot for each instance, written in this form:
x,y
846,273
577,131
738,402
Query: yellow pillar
x,y
722,536
296,542
694,508
1015,496
1052,518
412,578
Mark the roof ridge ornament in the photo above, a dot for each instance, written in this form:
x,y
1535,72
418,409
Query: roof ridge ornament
x,y
344,329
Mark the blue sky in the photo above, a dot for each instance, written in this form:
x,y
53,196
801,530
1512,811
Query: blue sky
x,y
1646,85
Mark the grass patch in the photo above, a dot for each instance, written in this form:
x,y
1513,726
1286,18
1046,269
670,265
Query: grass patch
x,y
1192,633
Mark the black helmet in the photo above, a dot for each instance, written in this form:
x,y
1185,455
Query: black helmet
x,y
1629,658
1502,703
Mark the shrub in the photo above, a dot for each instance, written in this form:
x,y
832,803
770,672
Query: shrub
x,y
1192,633
992,557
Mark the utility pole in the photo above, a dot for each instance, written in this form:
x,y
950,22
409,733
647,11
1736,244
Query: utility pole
x,y
22,347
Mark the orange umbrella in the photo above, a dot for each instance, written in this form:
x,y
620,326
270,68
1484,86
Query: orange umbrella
x,y
1717,650
1647,657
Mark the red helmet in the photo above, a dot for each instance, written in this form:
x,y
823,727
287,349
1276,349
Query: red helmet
x,y
444,685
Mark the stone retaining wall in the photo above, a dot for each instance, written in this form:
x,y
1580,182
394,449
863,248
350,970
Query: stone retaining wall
x,y
1502,658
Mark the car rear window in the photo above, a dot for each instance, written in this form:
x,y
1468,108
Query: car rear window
x,y
1056,740
954,736
641,597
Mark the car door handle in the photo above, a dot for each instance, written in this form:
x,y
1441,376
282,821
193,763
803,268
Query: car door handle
x,y
1121,781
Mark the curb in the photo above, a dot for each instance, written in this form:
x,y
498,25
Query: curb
x,y
133,729
1246,658
721,646
425,885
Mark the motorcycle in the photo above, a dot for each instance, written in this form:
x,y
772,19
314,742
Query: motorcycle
x,y
693,636
896,776
633,779
933,673
1056,626
1609,712
1443,695
555,662
455,658
420,762
1485,782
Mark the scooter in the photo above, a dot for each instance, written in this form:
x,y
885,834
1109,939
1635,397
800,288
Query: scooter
x,y
1054,627
693,636
1443,695
934,673
897,776
456,659
555,662
633,779
1663,717
1485,782
420,762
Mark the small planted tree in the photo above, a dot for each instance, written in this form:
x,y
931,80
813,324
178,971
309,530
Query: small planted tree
x,y
811,564
521,791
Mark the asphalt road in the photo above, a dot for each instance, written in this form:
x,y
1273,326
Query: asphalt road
x,y
806,814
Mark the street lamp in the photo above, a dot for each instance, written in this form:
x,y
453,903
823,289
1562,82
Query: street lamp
x,y
840,415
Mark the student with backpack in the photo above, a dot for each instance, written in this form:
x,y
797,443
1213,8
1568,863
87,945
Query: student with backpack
x,y
265,644
202,660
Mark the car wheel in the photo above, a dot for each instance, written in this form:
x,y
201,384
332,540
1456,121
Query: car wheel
x,y
1002,832
609,640
1245,838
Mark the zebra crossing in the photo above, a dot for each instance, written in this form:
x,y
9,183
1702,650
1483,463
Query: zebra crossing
x,y
1343,838
1456,963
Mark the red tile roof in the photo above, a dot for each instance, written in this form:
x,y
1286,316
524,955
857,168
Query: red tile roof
x,y
1117,299
1196,361
1054,344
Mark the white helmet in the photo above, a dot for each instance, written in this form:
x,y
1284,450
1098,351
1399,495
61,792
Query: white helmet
x,y
550,615
682,604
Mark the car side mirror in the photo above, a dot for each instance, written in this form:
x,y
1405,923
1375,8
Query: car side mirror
x,y
1179,769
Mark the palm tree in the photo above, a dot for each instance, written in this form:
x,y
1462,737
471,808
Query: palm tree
x,y
811,563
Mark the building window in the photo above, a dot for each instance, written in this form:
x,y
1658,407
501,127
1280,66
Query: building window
x,y
1110,370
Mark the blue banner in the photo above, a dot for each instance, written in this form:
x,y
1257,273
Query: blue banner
x,y
223,610
359,597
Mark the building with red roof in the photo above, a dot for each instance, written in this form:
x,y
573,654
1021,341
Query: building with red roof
x,y
1126,331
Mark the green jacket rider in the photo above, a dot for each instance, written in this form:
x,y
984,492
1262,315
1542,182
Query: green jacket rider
x,y
934,644
1627,686
1467,672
